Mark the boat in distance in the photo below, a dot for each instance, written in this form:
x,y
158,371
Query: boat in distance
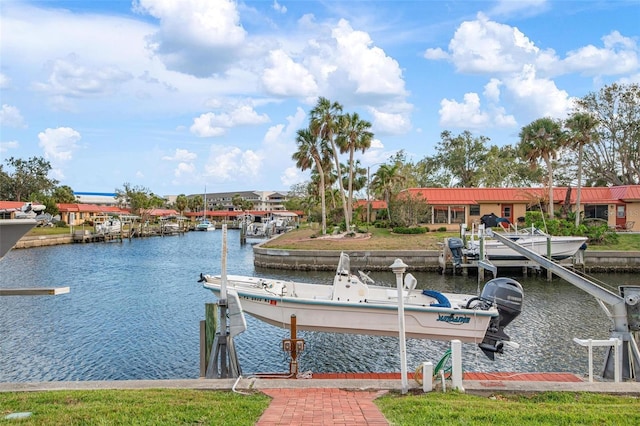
x,y
205,225
561,247
353,305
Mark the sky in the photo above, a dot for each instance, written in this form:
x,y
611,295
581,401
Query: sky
x,y
182,96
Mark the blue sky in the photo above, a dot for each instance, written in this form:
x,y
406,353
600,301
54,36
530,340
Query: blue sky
x,y
178,95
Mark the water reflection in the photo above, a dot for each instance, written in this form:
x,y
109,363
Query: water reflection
x,y
134,308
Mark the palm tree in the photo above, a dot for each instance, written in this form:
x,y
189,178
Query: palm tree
x,y
311,151
582,131
542,139
353,135
324,125
385,180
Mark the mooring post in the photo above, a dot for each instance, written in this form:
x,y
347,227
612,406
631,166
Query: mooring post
x,y
399,267
293,365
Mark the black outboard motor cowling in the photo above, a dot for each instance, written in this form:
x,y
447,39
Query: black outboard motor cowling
x,y
508,296
455,246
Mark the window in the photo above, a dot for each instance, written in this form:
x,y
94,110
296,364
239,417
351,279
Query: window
x,y
599,211
448,214
620,212
474,210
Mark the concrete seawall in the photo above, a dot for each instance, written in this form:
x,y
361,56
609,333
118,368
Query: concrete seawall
x,y
43,241
371,260
418,260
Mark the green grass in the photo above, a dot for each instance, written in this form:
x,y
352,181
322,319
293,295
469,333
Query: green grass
x,y
626,242
201,407
134,407
549,408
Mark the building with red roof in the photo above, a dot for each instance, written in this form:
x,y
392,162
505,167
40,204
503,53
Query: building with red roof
x,y
450,207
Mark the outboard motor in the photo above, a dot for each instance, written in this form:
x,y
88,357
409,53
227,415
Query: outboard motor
x,y
455,247
508,296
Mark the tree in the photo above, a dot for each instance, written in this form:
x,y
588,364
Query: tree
x,y
195,203
240,203
386,182
614,158
354,135
541,139
27,177
462,156
182,202
582,132
503,168
324,124
64,194
311,152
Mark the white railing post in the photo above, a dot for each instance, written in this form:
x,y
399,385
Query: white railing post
x,y
456,365
427,376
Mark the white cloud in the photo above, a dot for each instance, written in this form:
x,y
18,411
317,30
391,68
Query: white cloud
x,y
470,114
212,125
291,176
184,169
68,78
619,56
230,163
492,90
390,123
435,54
278,7
196,37
368,66
10,116
6,146
484,46
539,97
467,114
181,155
284,77
58,146
4,81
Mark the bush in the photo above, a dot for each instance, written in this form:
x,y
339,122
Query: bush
x,y
442,229
409,230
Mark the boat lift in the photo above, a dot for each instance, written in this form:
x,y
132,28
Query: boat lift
x,y
624,312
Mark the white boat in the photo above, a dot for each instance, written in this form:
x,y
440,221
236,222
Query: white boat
x,y
107,225
561,247
11,230
205,225
353,305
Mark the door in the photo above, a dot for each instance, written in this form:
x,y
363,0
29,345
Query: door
x,y
507,213
621,216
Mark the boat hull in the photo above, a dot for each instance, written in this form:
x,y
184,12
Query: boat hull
x,y
560,248
11,230
372,317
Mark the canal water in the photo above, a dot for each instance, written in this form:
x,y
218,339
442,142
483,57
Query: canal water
x,y
134,308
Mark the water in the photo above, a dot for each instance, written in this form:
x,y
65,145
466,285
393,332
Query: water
x,y
134,310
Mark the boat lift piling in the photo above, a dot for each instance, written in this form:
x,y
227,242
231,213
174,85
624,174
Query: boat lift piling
x,y
294,346
223,362
624,313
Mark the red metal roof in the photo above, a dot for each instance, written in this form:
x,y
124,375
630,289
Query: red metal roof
x,y
449,196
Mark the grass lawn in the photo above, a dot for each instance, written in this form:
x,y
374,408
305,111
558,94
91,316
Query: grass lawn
x,y
549,408
198,407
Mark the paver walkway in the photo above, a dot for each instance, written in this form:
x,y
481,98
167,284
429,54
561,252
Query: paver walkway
x,y
313,406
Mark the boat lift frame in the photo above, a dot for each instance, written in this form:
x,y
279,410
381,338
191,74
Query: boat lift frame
x,y
619,312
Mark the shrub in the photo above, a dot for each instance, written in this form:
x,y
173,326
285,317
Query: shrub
x,y
442,229
409,230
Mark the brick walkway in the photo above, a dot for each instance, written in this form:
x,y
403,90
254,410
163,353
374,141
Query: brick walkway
x,y
322,407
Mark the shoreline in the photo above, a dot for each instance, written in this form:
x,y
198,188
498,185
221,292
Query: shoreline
x,y
373,260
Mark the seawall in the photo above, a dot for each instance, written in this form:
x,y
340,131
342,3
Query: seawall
x,y
417,260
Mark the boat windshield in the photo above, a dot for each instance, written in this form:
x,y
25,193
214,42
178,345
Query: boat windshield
x,y
343,265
